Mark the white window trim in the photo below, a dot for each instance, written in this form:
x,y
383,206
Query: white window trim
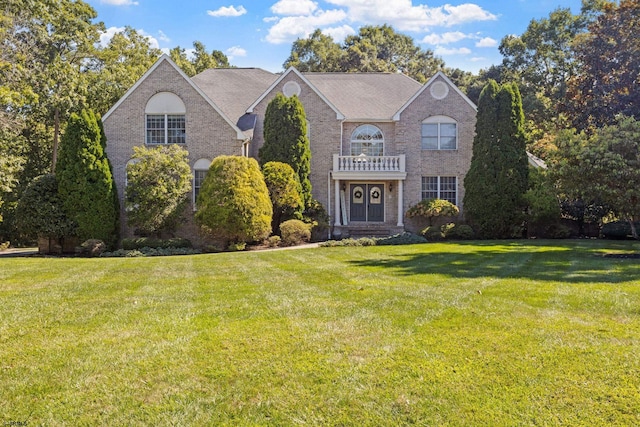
x,y
352,140
199,165
439,189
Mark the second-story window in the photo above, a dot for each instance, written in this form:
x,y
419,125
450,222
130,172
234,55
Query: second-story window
x,y
165,120
439,133
367,140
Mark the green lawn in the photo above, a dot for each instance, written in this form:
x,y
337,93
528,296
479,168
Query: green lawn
x,y
536,333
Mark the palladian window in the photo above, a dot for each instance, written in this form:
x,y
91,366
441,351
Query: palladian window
x,y
165,119
367,140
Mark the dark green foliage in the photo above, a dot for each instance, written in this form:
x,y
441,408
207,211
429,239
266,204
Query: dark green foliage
x,y
317,215
92,248
234,204
40,211
158,187
285,139
543,207
617,230
148,242
295,232
284,190
147,252
84,179
432,233
457,231
498,177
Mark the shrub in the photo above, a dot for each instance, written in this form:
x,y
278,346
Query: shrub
x,y
432,233
143,252
158,188
284,191
92,248
457,231
401,239
40,211
295,232
317,215
433,208
147,242
273,241
617,230
234,204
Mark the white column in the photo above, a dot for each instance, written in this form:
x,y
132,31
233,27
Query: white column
x,y
337,202
400,202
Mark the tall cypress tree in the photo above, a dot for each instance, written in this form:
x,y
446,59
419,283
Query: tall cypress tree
x,y
498,176
85,182
286,141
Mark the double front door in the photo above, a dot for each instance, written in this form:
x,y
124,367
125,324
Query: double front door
x,y
367,202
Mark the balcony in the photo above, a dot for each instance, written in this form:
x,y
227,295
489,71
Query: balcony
x,y
369,167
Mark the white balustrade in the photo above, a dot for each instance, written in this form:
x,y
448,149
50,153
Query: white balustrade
x,y
364,163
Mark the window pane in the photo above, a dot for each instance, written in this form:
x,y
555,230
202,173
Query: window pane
x,y
367,140
356,148
430,136
429,187
155,129
448,188
448,129
176,129
198,178
448,136
448,143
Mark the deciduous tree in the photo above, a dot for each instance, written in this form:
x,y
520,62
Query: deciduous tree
x,y
158,187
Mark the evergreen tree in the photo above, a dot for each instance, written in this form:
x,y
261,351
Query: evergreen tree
x,y
498,176
85,182
285,139
233,203
284,191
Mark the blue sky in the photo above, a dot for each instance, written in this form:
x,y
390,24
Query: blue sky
x,y
259,33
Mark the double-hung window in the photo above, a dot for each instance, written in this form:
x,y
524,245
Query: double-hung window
x,y
439,133
440,187
165,119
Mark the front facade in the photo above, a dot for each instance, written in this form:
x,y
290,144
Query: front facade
x,y
380,142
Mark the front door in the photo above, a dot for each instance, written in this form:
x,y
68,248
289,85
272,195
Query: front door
x,y
367,202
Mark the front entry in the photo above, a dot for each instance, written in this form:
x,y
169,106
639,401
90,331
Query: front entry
x,y
367,202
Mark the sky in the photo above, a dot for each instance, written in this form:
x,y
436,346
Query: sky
x,y
260,33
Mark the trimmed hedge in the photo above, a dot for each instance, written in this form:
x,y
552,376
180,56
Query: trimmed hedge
x,y
148,242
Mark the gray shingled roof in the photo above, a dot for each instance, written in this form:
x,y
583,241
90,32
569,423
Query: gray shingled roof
x,y
368,96
234,89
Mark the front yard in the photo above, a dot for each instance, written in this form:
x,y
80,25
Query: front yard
x,y
460,334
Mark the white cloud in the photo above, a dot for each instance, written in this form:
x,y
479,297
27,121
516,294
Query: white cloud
x,y
120,2
404,16
163,37
487,42
478,59
339,33
290,28
294,7
455,51
236,51
445,38
229,11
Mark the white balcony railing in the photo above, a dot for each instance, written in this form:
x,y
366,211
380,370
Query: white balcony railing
x,y
365,164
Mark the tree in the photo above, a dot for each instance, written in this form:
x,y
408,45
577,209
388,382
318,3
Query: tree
x,y
40,211
317,53
373,49
233,203
11,163
609,60
498,176
608,167
85,182
286,141
158,187
284,191
201,60
117,66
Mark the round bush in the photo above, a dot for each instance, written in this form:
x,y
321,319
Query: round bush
x,y
295,232
458,232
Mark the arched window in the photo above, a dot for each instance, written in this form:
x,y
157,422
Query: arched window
x,y
165,119
200,169
439,133
367,140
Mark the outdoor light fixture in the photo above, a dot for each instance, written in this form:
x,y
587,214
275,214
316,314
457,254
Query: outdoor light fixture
x,y
391,187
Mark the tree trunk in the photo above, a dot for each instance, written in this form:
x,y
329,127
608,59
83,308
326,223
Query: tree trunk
x,y
634,231
56,136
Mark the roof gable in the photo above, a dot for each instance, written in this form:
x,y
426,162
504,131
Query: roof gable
x,y
441,75
365,96
284,75
167,59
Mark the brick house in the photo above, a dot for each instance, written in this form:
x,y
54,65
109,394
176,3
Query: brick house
x,y
380,142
